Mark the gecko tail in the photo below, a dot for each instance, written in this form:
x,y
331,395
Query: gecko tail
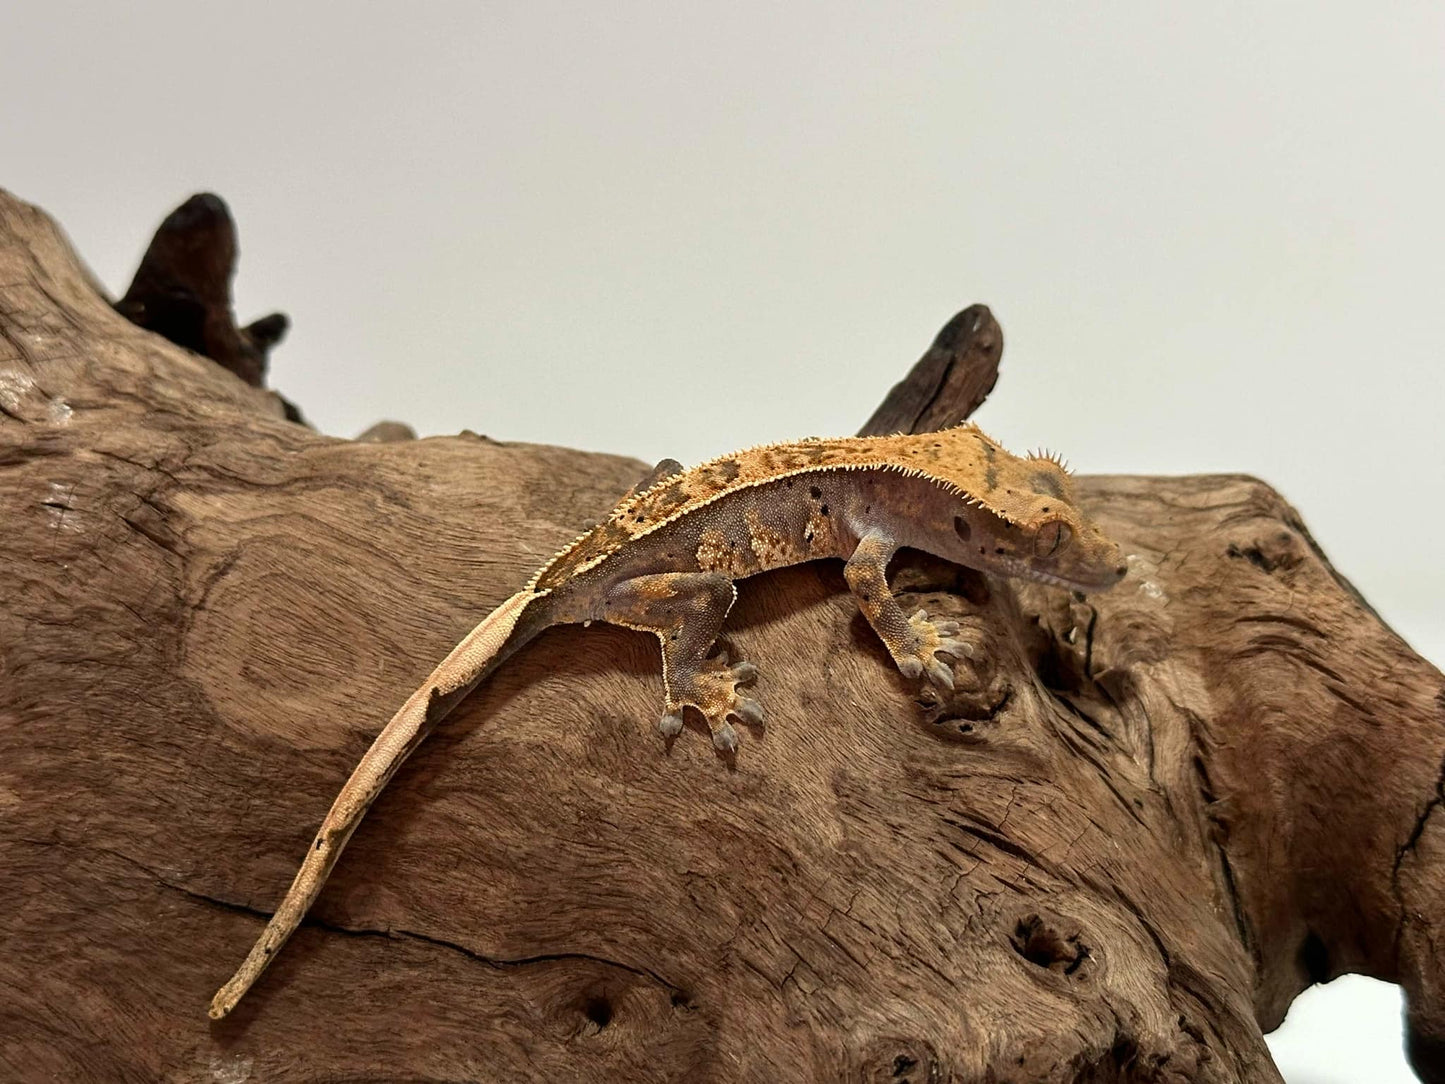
x,y
483,649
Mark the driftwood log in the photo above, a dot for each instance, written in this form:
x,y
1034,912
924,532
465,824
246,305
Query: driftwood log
x,y
1144,824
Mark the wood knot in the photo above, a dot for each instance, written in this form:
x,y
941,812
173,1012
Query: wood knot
x,y
964,715
1051,944
897,1060
1281,549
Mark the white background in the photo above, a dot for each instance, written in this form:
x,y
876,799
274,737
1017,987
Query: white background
x,y
1214,236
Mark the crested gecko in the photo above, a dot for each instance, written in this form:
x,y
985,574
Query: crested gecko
x,y
665,560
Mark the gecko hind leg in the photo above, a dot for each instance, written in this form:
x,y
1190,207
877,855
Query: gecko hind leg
x,y
685,611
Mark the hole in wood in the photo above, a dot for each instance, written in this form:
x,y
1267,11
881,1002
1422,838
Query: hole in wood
x,y
598,1010
1042,945
900,1060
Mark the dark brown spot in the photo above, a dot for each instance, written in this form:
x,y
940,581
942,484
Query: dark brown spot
x,y
725,470
815,493
1047,485
815,452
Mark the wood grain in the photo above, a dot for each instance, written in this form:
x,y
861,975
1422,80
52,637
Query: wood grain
x,y
1150,819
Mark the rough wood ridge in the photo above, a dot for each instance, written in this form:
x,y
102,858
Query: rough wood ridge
x,y
1114,853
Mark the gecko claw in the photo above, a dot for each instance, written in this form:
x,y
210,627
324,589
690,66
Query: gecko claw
x,y
725,738
910,667
749,711
670,725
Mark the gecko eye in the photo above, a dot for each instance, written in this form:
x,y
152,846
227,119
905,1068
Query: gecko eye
x,y
1052,538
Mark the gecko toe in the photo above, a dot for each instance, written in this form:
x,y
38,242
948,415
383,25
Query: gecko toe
x,y
940,674
744,672
959,649
670,725
725,738
749,711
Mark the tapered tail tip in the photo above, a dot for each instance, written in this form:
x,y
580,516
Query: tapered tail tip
x,y
222,1004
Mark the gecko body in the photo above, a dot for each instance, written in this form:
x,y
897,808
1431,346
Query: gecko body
x,y
664,561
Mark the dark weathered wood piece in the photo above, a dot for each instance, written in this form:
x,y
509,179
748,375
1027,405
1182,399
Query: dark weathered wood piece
x,y
182,291
388,433
1149,820
949,382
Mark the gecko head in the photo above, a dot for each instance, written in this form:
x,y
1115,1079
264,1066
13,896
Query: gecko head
x,y
1029,525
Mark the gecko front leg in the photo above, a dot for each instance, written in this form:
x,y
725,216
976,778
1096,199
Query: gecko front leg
x,y
914,642
685,610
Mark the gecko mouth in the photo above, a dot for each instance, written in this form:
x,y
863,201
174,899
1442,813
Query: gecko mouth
x,y
1060,581
1015,567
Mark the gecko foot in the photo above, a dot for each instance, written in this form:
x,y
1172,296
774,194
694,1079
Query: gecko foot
x,y
713,689
927,640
